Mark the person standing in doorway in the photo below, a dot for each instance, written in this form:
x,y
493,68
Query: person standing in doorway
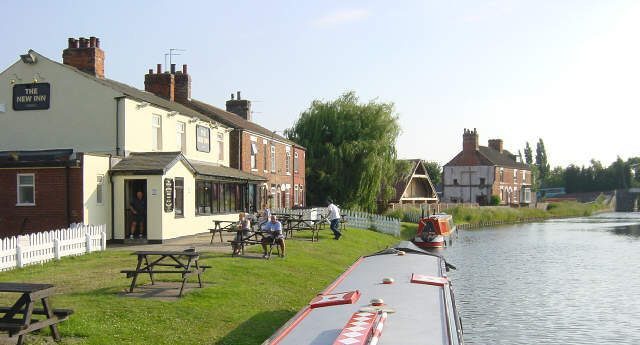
x,y
334,218
138,207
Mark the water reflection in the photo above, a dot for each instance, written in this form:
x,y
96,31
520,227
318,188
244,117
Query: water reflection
x,y
627,230
568,281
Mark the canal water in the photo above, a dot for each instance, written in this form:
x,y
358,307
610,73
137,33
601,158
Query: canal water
x,y
569,281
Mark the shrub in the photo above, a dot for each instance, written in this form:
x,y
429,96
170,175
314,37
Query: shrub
x,y
495,200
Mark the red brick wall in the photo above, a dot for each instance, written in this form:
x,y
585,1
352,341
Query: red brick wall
x,y
279,177
509,182
50,211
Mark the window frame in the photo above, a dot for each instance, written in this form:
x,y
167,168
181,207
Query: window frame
x,y
181,136
156,132
178,194
254,155
295,162
19,186
273,158
220,140
287,162
99,189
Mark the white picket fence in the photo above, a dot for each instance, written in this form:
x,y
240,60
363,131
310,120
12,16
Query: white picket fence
x,y
19,251
355,219
363,220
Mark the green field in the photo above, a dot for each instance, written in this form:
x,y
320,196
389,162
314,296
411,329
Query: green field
x,y
244,300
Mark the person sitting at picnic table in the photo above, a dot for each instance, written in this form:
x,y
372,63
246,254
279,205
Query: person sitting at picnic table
x,y
265,216
273,234
244,230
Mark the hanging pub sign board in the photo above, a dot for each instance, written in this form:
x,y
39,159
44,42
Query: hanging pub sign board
x,y
35,96
168,195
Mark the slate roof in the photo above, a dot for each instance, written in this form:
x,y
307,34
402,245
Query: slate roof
x,y
486,156
37,158
156,163
234,120
152,163
136,93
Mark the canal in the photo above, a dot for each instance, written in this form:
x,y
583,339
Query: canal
x,y
569,281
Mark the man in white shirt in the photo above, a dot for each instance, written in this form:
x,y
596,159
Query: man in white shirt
x,y
273,230
334,218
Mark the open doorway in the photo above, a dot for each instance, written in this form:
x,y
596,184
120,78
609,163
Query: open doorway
x,y
132,188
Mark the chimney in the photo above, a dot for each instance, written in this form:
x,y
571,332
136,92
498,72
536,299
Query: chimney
x,y
240,107
496,144
85,55
160,84
470,140
183,86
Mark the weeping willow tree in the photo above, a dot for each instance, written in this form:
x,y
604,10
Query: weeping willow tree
x,y
350,150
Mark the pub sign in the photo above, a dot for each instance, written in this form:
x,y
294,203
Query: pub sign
x,y
34,96
168,194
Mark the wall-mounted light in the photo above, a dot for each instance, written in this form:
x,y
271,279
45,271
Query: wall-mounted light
x,y
172,113
142,105
193,119
29,58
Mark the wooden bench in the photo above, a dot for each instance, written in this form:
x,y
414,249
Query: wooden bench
x,y
17,319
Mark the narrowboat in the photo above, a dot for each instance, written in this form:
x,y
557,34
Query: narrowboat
x,y
401,295
434,231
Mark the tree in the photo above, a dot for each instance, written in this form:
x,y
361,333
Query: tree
x,y
528,155
350,149
541,162
434,170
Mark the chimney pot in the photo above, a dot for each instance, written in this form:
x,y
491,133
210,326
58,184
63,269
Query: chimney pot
x,y
150,70
232,96
173,68
184,68
97,42
159,68
71,39
92,42
238,95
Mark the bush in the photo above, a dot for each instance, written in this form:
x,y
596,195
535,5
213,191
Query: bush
x,y
495,200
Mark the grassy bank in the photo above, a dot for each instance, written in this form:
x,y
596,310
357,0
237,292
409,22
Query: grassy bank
x,y
502,214
244,300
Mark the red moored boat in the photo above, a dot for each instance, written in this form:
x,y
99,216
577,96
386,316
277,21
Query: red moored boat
x,y
433,231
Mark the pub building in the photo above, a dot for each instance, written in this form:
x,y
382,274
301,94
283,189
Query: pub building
x,y
76,147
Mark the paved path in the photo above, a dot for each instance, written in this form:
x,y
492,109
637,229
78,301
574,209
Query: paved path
x,y
200,242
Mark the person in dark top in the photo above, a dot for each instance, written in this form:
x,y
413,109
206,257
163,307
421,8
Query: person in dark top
x,y
138,207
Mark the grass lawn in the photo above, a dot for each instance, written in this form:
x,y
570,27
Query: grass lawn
x,y
243,302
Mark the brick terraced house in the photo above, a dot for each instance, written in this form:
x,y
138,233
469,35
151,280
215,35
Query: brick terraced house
x,y
478,172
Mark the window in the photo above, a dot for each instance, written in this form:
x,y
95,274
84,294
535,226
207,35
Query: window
x,y
482,181
181,137
295,195
26,189
524,177
273,159
99,184
202,139
156,133
213,197
287,198
220,147
295,162
254,153
287,162
515,175
501,175
455,181
265,157
178,204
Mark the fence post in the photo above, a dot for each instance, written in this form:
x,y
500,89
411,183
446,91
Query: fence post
x,y
56,248
103,240
87,237
19,256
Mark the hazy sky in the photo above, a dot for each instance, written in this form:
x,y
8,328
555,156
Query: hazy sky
x,y
564,71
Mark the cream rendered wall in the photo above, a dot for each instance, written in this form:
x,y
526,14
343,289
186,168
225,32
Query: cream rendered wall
x,y
138,132
81,115
94,213
461,173
190,224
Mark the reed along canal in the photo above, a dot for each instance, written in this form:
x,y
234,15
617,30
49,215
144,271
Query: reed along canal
x,y
568,281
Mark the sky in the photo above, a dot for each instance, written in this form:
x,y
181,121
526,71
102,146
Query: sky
x,y
565,71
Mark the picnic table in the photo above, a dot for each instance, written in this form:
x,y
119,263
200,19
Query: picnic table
x,y
220,226
299,223
19,318
153,262
254,237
